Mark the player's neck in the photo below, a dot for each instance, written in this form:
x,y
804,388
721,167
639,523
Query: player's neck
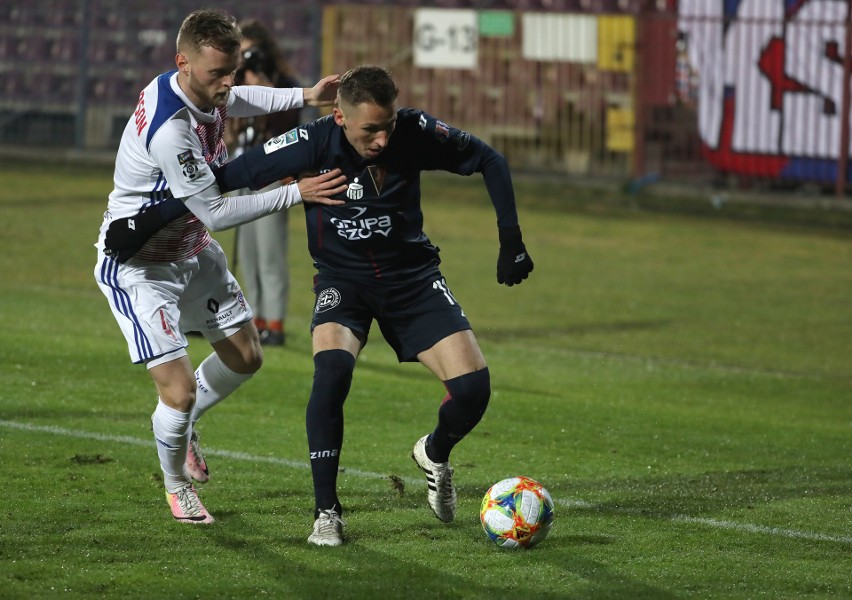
x,y
193,97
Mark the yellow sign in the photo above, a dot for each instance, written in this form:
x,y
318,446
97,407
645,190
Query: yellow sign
x,y
619,129
616,42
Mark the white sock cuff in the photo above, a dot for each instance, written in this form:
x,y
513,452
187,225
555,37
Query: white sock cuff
x,y
215,383
173,414
214,369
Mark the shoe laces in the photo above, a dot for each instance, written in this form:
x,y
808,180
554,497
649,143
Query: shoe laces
x,y
329,518
444,483
189,502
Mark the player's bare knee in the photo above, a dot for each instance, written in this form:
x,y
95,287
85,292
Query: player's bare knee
x,y
245,360
252,361
179,397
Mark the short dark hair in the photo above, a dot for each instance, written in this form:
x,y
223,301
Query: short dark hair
x,y
367,83
209,28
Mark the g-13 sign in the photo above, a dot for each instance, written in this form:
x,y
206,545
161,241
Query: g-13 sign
x,y
446,38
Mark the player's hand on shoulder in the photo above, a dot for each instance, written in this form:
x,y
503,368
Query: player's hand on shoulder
x,y
513,263
323,93
320,189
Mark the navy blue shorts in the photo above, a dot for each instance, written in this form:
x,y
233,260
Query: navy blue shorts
x,y
413,316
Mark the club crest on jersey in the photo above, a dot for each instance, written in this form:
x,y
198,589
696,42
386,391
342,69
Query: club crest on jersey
x,y
355,190
327,299
284,140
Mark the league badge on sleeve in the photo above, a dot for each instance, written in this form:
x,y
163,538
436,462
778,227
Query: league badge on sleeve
x,y
284,140
191,170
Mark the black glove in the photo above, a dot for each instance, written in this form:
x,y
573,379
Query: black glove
x,y
513,264
125,237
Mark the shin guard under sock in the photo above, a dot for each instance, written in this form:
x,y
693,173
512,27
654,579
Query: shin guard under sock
x,y
171,430
324,422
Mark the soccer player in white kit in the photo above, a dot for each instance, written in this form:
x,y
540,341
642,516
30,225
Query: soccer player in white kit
x,y
179,280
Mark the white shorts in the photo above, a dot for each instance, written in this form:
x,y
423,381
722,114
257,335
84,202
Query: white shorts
x,y
156,302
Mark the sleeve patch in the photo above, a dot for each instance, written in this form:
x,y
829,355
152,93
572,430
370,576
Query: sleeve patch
x,y
442,131
191,171
287,139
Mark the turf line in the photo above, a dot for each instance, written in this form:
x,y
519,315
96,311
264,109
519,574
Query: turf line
x,y
717,523
578,504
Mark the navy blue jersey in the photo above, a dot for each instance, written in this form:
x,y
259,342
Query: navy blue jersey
x,y
378,233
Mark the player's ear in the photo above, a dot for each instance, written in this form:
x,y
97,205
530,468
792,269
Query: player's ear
x,y
182,64
339,118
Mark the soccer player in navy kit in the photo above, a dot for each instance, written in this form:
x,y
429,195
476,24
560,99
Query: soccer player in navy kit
x,y
374,261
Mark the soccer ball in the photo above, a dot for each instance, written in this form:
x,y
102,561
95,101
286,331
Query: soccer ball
x,y
517,512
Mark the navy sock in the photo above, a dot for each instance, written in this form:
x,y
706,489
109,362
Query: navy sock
x,y
466,401
324,423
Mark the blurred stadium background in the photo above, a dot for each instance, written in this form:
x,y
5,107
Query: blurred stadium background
x,y
746,92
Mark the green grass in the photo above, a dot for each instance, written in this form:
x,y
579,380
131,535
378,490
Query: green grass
x,y
681,384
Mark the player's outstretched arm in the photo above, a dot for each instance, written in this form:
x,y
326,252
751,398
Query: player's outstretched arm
x,y
219,212
323,93
126,236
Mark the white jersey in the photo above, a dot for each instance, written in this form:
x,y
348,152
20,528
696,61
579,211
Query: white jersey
x,y
168,149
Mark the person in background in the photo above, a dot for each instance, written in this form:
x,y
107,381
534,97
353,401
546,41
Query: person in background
x,y
261,246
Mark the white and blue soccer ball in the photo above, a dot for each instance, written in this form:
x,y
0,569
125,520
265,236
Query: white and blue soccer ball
x,y
517,512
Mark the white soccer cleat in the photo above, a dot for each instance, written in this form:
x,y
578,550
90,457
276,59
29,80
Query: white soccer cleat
x,y
328,529
186,506
439,479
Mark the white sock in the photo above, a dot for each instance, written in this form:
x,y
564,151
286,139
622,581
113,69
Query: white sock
x,y
215,383
171,431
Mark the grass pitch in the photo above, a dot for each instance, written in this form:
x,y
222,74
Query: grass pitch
x,y
681,385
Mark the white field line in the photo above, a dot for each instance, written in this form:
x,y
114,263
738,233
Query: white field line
x,y
578,504
717,523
